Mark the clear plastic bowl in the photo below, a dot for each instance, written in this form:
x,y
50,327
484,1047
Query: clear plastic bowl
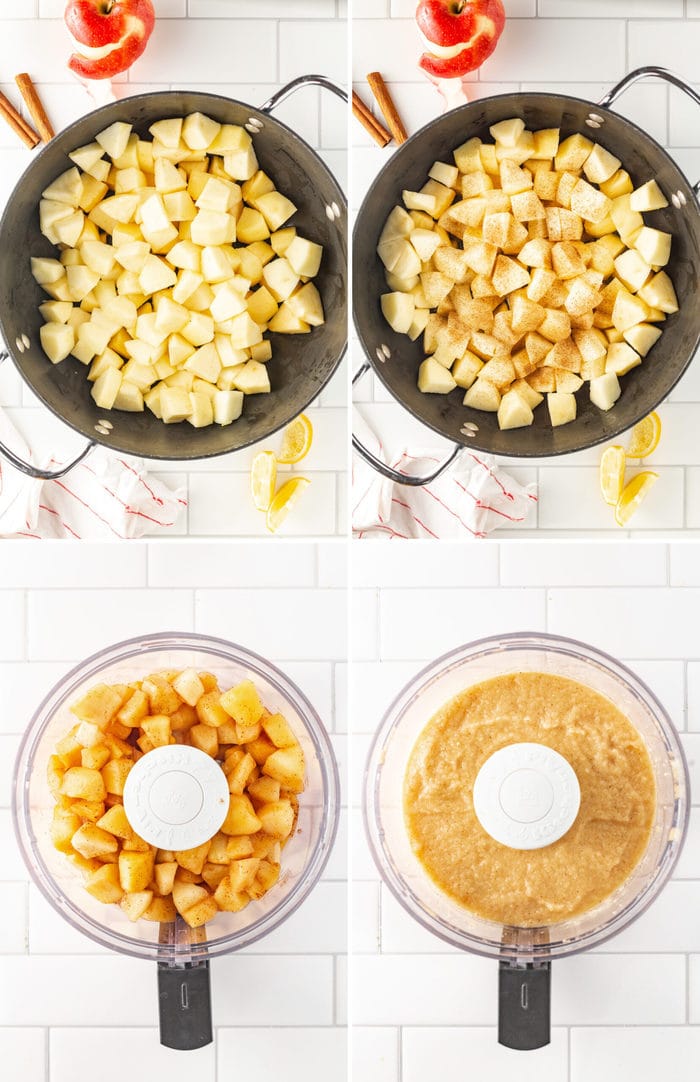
x,y
303,859
394,742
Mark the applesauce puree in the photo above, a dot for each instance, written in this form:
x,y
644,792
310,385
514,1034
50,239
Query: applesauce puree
x,y
575,873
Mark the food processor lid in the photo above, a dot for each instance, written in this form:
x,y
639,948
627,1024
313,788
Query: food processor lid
x,y
526,796
176,797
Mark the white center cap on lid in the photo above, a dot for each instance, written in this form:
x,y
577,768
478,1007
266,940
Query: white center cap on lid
x,y
526,796
176,797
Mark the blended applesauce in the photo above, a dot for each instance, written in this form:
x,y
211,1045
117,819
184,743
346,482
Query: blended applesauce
x,y
575,873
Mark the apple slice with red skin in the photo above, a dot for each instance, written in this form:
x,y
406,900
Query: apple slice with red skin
x,y
475,24
122,27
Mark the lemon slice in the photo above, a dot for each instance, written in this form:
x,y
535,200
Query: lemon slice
x,y
632,495
285,498
296,441
645,437
612,474
263,475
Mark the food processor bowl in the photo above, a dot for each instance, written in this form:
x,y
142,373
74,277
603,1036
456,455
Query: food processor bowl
x,y
182,953
524,954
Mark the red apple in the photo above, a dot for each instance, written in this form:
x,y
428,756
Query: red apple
x,y
108,35
458,34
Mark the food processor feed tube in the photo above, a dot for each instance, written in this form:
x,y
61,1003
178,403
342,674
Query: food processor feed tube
x,y
526,796
176,797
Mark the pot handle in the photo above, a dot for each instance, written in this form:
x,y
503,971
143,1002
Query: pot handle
x,y
386,471
32,471
297,84
184,1006
524,1005
651,72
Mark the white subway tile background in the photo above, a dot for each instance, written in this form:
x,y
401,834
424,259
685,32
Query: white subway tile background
x,y
582,48
627,1012
71,1011
245,49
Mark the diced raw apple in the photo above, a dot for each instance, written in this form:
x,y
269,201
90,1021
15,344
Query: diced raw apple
x,y
199,131
434,378
87,155
241,164
653,245
120,208
205,363
444,174
398,310
57,341
46,270
261,305
507,132
648,197
129,398
201,412
514,411
56,311
425,241
228,406
621,358
66,188
397,226
114,139
156,275
98,256
186,255
68,229
245,332
212,227
133,255
106,388
306,303
81,280
642,337
253,379
659,293
171,317
304,257
483,395
228,302
632,269
167,131
275,208
285,321
280,278
605,390
175,404
600,165
251,226
179,207
562,408
168,178
230,138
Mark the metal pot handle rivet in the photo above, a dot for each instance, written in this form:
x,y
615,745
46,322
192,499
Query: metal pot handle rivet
x,y
651,72
386,471
32,471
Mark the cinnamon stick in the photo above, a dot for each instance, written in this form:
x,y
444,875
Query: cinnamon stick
x,y
7,110
368,121
34,105
383,97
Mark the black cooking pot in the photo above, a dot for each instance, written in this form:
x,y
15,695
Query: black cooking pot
x,y
300,366
395,359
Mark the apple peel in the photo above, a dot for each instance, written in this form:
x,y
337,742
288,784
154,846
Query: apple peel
x,y
108,35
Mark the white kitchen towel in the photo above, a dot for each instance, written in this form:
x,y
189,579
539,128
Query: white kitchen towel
x,y
470,500
105,496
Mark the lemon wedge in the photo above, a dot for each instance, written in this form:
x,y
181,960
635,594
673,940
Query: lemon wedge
x,y
263,476
296,441
645,437
286,496
632,496
612,474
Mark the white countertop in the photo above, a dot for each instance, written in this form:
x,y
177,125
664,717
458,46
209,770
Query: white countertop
x,y
246,50
627,1012
578,47
71,1011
